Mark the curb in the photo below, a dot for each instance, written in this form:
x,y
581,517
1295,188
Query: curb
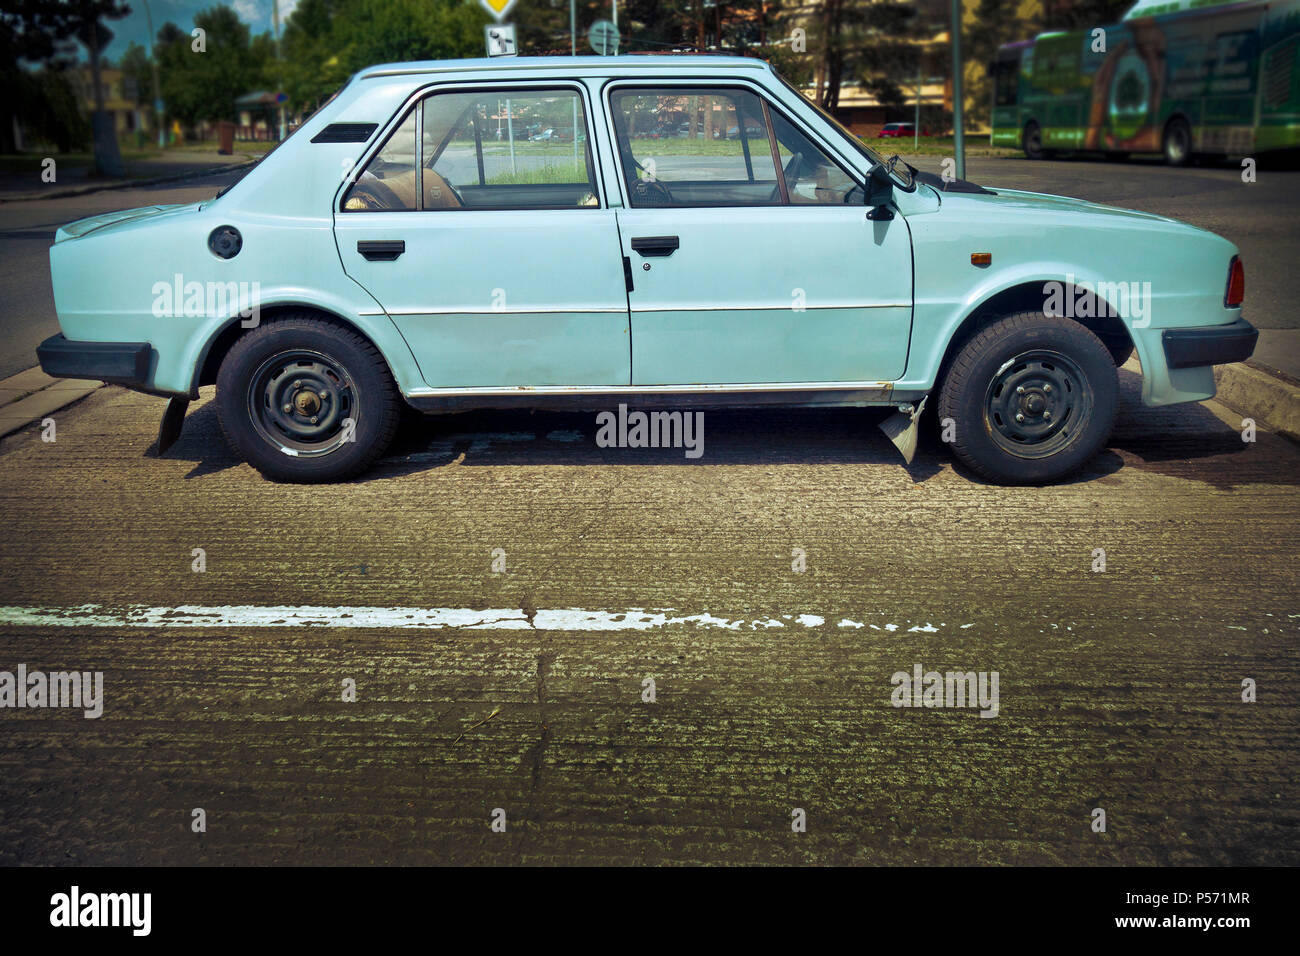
x,y
127,183
31,395
1269,397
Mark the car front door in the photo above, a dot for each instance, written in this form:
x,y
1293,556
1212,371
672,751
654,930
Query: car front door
x,y
752,257
495,256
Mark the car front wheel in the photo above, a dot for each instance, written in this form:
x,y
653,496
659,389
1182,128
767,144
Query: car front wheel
x,y
1031,398
304,400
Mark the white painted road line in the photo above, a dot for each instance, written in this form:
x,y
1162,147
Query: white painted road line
x,y
420,618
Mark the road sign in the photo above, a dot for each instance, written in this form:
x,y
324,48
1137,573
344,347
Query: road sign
x,y
500,39
603,37
498,8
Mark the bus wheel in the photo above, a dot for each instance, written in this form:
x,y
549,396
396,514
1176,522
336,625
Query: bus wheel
x,y
1033,141
1178,142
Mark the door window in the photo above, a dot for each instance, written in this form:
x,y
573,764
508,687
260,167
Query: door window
x,y
716,147
507,149
686,147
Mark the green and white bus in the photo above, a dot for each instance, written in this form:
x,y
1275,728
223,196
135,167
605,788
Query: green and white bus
x,y
1178,77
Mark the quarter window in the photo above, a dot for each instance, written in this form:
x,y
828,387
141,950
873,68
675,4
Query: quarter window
x,y
508,149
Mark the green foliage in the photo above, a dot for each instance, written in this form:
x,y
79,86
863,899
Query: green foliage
x,y
204,85
49,111
135,64
326,41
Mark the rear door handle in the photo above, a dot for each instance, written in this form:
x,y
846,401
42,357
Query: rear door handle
x,y
381,250
655,245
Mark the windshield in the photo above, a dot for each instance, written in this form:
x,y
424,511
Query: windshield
x,y
899,170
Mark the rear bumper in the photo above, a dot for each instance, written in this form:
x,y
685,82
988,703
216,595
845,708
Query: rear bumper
x,y
1210,345
121,363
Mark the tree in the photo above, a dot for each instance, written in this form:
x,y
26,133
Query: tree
x,y
202,82
326,41
864,40
986,25
136,67
86,17
31,31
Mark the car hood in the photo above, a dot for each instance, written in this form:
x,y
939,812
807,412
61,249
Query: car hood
x,y
82,227
1047,203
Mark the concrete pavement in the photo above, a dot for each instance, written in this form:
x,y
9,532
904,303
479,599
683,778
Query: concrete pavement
x,y
1120,690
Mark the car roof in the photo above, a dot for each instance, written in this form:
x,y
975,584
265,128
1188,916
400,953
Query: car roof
x,y
573,65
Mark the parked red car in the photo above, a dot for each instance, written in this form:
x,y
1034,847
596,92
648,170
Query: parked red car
x,y
895,130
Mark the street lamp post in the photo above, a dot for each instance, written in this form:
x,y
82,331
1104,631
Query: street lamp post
x,y
279,62
958,141
157,87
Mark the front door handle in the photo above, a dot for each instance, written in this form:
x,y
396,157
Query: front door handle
x,y
381,250
655,245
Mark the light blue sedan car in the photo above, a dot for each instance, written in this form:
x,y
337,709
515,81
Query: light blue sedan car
x,y
411,244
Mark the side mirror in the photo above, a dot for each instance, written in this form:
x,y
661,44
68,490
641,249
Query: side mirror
x,y
879,193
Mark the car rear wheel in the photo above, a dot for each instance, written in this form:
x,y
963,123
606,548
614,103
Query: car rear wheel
x,y
304,400
1032,398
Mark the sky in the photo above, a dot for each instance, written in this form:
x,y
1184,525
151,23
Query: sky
x,y
133,27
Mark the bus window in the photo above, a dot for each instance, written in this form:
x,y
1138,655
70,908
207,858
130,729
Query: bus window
x,y
1006,82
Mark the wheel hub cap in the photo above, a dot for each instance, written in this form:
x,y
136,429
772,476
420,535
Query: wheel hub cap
x,y
1037,403
299,401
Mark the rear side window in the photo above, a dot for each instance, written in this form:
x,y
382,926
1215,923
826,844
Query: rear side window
x,y
506,149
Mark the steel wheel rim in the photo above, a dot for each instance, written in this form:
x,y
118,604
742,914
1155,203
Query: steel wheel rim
x,y
1037,404
299,400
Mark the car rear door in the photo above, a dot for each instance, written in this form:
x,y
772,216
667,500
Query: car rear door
x,y
750,267
496,257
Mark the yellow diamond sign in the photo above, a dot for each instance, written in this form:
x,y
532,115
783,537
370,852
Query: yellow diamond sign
x,y
498,8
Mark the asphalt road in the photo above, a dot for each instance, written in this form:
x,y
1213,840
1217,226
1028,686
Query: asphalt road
x,y
1119,690
1259,217
521,688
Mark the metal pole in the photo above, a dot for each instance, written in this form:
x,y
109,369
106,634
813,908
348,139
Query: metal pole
x,y
916,126
958,141
510,133
573,29
275,19
615,12
157,87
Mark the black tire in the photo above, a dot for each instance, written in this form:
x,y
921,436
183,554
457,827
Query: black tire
x,y
1010,368
1120,350
1177,142
326,374
1032,141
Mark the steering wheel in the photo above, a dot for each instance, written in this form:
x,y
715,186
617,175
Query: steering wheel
x,y
649,192
428,164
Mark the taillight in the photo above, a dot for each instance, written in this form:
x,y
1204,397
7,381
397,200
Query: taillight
x,y
1236,284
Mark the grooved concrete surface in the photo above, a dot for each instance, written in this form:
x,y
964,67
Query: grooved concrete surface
x,y
1119,690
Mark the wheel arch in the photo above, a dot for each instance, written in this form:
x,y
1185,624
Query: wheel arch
x,y
1026,297
220,342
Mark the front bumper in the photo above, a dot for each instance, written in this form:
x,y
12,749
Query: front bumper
x,y
121,363
1209,345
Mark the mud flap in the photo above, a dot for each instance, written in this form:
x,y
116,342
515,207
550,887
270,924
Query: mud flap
x,y
901,428
172,421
